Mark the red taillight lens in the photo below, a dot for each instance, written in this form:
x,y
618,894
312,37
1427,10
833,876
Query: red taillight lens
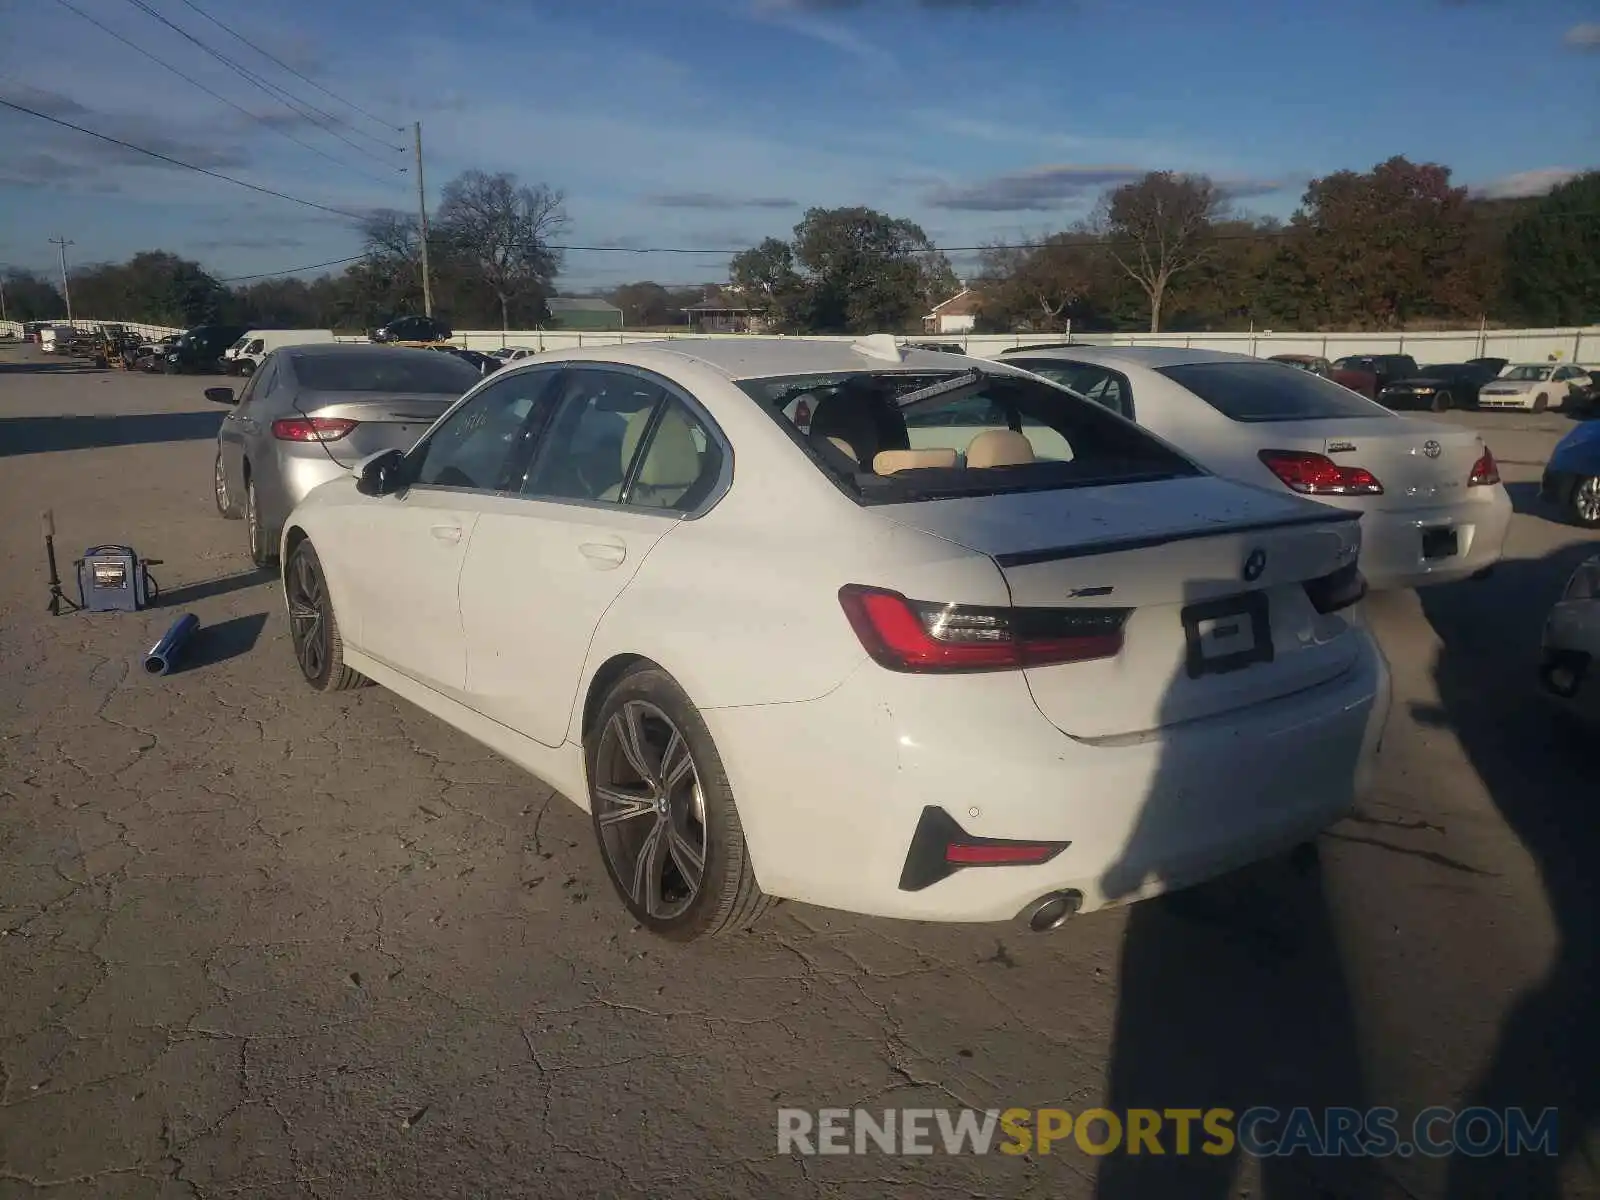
x,y
312,429
1485,471
916,636
1318,475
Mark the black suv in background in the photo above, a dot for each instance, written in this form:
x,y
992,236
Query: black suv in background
x,y
412,329
200,349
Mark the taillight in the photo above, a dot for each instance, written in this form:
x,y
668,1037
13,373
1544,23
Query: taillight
x,y
1485,471
1340,589
1318,475
312,429
916,636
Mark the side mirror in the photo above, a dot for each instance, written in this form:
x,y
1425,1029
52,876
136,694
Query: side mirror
x,y
381,474
221,395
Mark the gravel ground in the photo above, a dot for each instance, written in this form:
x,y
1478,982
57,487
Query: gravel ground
x,y
260,942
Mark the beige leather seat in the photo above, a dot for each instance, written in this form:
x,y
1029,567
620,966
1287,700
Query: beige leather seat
x,y
887,462
671,466
999,448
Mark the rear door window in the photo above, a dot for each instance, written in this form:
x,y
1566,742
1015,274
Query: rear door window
x,y
1269,391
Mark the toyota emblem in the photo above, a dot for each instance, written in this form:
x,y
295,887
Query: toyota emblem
x,y
1432,448
1254,565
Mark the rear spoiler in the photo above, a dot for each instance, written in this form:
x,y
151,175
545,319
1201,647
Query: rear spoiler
x,y
1026,558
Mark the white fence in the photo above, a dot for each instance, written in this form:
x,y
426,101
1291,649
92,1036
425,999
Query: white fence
x,y
1518,345
14,328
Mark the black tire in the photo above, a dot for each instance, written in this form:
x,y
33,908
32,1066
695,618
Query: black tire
x,y
245,368
658,813
262,551
1541,402
1442,402
1583,502
219,492
313,628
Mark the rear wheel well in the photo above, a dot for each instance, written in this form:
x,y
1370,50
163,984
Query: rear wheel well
x,y
613,669
291,542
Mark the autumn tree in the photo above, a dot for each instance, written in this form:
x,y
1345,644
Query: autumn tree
x,y
504,230
1159,227
1038,284
867,272
1552,256
1386,246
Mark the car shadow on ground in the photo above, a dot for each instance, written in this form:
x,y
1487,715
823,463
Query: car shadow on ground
x,y
43,435
51,368
1232,994
1544,778
188,593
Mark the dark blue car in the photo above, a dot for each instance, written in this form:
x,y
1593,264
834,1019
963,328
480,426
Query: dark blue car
x,y
1572,478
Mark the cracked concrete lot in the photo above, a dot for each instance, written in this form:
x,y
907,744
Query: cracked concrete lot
x,y
260,942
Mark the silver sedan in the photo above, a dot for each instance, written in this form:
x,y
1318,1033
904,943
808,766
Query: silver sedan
x,y
310,413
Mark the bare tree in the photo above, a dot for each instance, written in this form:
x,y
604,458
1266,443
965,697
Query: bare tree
x,y
504,229
1158,227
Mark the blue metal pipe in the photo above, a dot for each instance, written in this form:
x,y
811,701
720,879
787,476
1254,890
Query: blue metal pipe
x,y
164,654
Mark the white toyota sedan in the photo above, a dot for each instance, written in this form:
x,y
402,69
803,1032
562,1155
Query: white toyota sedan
x,y
1031,670
1428,493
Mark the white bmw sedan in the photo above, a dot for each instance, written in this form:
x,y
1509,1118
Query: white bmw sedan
x,y
1428,493
1038,668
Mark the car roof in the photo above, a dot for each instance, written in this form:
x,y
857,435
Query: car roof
x,y
1138,356
761,358
333,349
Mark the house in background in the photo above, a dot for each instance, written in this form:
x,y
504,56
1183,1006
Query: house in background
x,y
724,310
955,315
583,312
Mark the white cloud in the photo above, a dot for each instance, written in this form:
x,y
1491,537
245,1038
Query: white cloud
x,y
1522,184
1584,37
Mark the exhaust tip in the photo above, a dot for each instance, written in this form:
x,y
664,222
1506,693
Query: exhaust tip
x,y
1051,911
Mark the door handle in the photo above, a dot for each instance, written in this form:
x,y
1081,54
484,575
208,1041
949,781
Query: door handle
x,y
446,533
604,555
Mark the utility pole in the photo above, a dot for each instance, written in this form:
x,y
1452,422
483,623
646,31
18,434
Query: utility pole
x,y
66,290
422,211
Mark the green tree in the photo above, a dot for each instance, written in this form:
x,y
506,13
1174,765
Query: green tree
x,y
867,272
1552,257
765,276
1042,284
30,297
159,287
647,304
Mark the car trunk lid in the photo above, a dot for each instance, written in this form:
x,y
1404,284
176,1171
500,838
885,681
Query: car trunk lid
x,y
1420,464
1213,574
383,421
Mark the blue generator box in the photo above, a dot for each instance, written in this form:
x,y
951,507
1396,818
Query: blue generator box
x,y
113,579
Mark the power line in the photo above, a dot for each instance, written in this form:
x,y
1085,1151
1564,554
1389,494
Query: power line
x,y
67,4
274,58
273,90
254,187
332,262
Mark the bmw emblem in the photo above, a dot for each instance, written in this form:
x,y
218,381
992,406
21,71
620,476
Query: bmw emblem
x,y
1432,448
1254,565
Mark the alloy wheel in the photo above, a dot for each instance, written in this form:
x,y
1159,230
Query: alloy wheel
x,y
308,625
1586,499
650,810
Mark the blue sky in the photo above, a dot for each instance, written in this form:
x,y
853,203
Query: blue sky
x,y
714,123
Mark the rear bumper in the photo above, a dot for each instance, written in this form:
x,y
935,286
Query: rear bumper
x,y
1569,665
831,791
1391,541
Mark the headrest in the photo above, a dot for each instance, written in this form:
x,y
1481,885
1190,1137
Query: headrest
x,y
999,448
887,462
